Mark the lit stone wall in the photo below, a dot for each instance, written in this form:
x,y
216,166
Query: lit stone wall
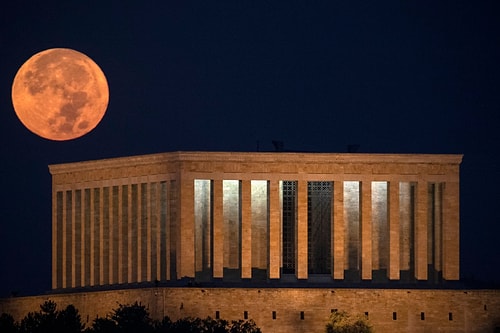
x,y
232,224
216,215
260,216
387,310
380,230
406,225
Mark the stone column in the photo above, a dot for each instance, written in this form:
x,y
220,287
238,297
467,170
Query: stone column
x,y
149,245
158,235
73,239
101,236
64,238
111,235
165,228
139,263
170,191
218,229
55,255
82,238
186,199
366,230
338,230
246,229
301,231
438,227
394,231
451,231
274,229
132,235
120,277
421,231
92,238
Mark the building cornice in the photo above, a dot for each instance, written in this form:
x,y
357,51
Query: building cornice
x,y
257,157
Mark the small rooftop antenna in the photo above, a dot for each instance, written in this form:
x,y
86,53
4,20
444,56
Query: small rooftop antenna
x,y
278,145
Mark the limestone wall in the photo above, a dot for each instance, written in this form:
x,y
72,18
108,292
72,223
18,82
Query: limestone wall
x,y
388,310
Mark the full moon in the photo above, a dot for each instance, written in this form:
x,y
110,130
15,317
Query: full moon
x,y
60,94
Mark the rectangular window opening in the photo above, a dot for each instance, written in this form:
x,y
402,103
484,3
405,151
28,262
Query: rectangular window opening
x,y
217,315
394,316
288,220
245,315
450,316
422,315
274,315
301,315
319,226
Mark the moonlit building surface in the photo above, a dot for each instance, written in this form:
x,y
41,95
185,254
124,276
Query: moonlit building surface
x,y
258,218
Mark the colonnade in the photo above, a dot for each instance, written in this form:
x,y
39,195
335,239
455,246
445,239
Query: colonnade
x,y
417,224
251,216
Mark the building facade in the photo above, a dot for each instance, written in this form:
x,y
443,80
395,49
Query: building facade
x,y
256,217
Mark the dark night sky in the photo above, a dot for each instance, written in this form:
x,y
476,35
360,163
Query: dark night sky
x,y
391,76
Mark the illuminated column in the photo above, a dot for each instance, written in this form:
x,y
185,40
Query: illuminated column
x,y
92,238
64,238
421,232
438,225
101,236
131,235
70,238
165,221
168,221
246,229
73,240
451,231
393,207
139,235
218,229
82,238
301,231
55,255
149,245
111,237
185,262
338,230
120,276
156,220
274,230
366,230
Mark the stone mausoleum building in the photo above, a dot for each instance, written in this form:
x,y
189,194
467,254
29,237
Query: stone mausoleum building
x,y
256,217
281,238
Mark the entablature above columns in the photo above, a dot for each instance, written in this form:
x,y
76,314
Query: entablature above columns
x,y
265,166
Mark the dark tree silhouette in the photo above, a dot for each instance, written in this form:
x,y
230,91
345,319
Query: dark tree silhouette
x,y
211,325
69,320
49,320
133,318
103,325
42,321
163,326
244,326
187,325
7,324
125,319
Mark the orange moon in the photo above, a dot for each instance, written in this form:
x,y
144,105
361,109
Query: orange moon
x,y
60,94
